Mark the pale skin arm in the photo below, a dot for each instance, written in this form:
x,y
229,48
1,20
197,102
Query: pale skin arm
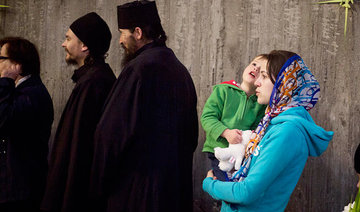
x,y
233,136
10,70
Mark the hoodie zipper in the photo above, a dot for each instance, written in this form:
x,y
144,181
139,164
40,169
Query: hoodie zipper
x,y
245,106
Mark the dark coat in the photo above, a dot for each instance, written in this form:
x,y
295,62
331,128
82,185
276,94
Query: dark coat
x,y
72,152
26,115
146,136
357,160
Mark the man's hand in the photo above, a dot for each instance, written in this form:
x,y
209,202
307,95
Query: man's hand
x,y
9,69
232,136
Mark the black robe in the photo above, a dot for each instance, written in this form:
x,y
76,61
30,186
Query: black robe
x,y
147,135
72,151
26,115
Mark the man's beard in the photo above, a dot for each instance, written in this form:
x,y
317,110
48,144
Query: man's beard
x,y
127,57
69,60
129,53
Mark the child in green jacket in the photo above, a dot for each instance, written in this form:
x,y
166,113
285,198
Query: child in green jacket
x,y
231,108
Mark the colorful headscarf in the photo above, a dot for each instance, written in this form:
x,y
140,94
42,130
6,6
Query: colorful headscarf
x,y
295,86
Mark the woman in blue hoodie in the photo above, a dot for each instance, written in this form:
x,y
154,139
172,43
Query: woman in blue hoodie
x,y
285,137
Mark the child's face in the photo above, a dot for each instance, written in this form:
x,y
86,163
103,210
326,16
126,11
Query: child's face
x,y
252,71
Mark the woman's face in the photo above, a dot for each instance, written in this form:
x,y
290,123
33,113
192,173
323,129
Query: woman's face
x,y
264,87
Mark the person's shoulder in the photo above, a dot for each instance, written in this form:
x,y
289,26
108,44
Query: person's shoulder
x,y
155,58
285,128
295,117
160,49
101,67
33,82
285,134
156,55
34,88
230,82
231,85
98,77
100,71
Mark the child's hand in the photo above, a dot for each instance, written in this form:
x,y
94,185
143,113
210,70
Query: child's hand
x,y
211,174
232,136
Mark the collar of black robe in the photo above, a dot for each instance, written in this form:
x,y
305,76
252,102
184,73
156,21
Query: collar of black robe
x,y
147,46
78,73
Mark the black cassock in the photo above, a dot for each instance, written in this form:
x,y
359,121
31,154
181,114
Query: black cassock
x,y
146,137
72,152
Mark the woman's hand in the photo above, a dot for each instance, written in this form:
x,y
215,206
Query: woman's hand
x,y
211,174
233,136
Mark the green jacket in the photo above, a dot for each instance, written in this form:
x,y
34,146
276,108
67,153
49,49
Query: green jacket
x,y
228,107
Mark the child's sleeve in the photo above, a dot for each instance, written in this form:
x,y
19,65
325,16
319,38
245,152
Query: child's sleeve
x,y
212,112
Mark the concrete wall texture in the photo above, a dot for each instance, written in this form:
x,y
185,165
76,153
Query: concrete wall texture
x,y
216,39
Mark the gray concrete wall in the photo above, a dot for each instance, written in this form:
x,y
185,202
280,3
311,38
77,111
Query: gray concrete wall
x,y
216,39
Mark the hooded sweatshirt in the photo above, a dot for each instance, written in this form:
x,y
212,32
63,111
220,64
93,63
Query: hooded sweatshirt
x,y
276,166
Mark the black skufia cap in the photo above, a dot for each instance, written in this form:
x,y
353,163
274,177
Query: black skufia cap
x,y
137,13
93,31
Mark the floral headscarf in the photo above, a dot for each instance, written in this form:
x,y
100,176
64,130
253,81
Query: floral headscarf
x,y
295,86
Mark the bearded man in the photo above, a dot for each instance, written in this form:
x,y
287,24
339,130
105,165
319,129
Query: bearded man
x,y
86,44
146,137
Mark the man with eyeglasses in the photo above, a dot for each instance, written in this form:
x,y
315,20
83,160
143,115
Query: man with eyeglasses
x,y
26,115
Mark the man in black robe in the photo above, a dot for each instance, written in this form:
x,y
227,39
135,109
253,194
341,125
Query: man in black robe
x,y
148,132
86,43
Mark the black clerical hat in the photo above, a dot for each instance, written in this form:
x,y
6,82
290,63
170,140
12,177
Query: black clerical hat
x,y
93,31
137,13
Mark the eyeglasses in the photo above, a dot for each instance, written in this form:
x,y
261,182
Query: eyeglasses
x,y
4,58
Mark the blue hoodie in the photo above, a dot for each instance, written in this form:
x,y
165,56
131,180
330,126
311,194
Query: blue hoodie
x,y
276,166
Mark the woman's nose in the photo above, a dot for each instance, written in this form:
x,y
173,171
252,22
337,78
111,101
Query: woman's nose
x,y
257,82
